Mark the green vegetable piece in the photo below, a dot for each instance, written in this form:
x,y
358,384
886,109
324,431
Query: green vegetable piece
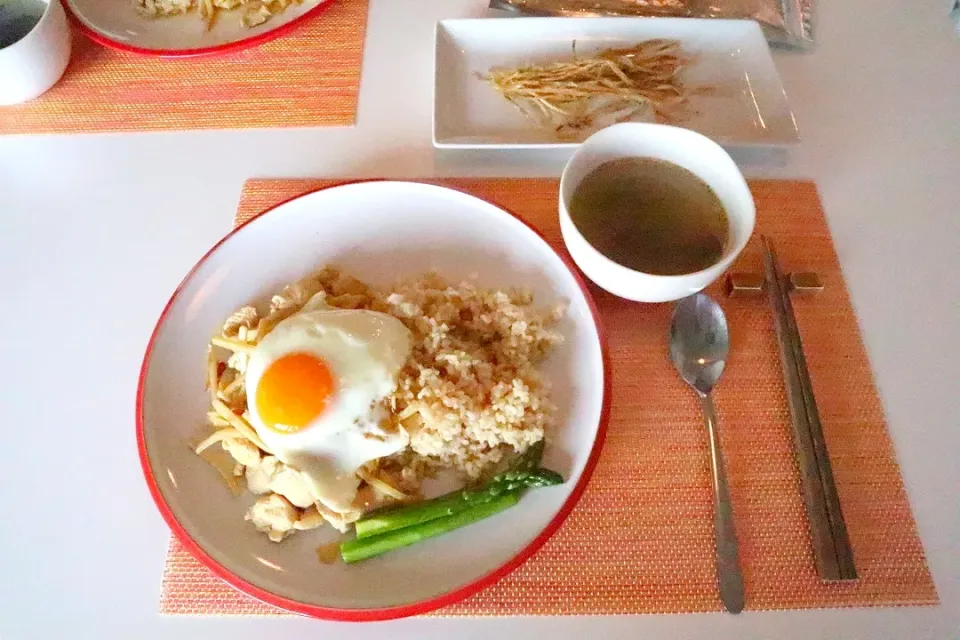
x,y
364,548
384,520
393,518
531,458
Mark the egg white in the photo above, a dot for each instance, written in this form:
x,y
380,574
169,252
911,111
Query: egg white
x,y
364,351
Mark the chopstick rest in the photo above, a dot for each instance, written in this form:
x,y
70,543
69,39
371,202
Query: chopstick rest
x,y
741,284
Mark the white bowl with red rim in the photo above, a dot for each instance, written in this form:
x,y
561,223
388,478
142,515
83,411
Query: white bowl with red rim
x,y
117,24
377,231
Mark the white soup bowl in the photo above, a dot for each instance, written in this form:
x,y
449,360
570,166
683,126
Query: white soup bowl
x,y
697,153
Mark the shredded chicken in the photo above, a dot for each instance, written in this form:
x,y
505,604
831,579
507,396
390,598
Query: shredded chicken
x,y
243,318
274,515
238,360
243,451
271,475
295,296
290,483
309,519
258,477
340,521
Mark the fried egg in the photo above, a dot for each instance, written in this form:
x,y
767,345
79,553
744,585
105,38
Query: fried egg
x,y
315,389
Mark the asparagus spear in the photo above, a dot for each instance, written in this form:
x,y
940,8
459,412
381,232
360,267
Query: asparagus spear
x,y
363,548
531,458
510,482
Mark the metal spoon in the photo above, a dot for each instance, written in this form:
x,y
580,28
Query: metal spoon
x,y
699,343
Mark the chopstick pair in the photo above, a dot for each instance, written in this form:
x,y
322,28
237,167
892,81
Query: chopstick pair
x,y
831,544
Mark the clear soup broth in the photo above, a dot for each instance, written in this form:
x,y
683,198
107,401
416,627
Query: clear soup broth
x,y
651,215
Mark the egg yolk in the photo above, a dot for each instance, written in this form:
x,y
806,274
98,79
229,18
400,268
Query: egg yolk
x,y
293,391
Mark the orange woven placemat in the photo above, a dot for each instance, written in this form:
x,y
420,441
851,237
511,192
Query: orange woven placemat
x,y
308,78
641,538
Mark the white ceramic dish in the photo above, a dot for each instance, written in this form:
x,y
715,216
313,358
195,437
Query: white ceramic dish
x,y
748,108
35,62
376,231
697,153
116,24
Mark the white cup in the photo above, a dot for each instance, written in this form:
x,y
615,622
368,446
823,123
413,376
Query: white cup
x,y
697,153
31,64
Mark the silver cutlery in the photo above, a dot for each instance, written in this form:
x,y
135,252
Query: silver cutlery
x,y
699,343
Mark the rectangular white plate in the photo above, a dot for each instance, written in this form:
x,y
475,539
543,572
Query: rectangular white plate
x,y
747,106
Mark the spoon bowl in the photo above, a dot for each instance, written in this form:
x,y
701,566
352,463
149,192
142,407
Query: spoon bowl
x,y
699,341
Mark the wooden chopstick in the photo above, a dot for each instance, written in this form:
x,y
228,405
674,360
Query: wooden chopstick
x,y
831,544
837,524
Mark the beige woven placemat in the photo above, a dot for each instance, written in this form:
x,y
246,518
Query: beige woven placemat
x,y
307,78
641,538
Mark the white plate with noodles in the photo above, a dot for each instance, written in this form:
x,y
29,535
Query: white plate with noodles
x,y
550,82
187,28
372,344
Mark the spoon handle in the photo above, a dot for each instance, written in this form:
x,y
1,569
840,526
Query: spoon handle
x,y
728,555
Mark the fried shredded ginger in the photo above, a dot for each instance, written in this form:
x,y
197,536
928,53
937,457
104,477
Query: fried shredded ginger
x,y
643,81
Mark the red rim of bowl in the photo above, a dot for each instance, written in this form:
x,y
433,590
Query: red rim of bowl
x,y
220,49
401,611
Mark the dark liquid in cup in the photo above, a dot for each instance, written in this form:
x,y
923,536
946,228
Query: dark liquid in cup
x,y
18,18
651,215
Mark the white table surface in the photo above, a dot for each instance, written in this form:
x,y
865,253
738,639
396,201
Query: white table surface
x,y
96,231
